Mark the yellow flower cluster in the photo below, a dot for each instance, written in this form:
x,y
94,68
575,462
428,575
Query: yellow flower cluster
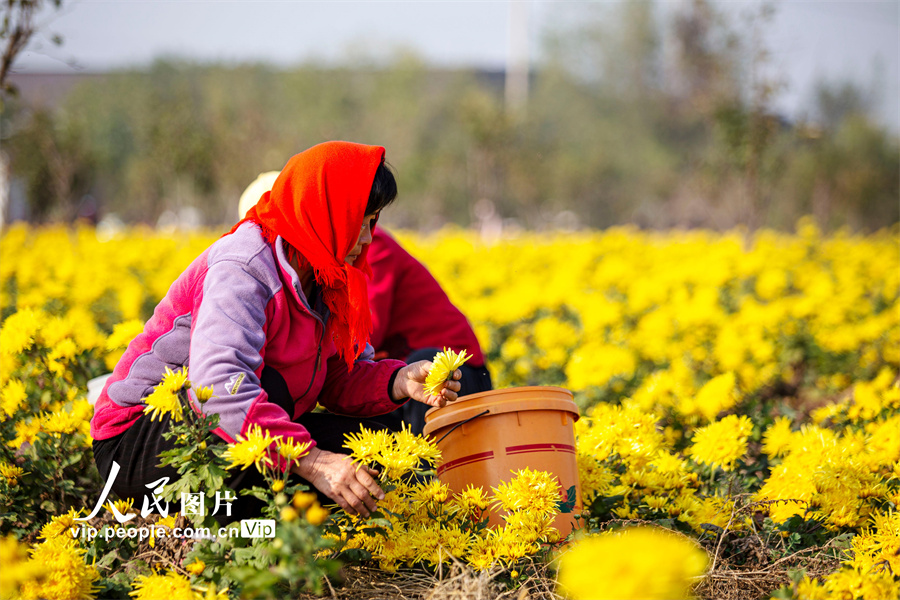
x,y
10,473
429,524
680,346
17,569
395,453
624,455
865,584
109,279
68,417
260,448
56,569
34,342
842,473
591,311
604,310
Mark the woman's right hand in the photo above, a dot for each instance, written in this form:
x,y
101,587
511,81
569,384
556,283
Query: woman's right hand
x,y
350,485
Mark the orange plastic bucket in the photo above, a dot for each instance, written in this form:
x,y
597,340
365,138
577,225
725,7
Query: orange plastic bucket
x,y
484,437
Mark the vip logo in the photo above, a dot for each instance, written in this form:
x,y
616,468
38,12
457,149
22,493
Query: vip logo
x,y
258,528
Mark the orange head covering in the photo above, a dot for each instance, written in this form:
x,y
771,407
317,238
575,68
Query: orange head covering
x,y
317,205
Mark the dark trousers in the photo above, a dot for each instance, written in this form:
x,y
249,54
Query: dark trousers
x,y
137,450
474,380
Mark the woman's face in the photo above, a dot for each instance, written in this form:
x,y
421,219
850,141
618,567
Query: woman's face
x,y
364,239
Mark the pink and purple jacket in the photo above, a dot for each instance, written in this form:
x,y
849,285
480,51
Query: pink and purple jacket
x,y
236,309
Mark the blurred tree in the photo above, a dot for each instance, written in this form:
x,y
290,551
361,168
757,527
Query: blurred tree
x,y
707,69
15,32
51,155
844,169
616,131
836,102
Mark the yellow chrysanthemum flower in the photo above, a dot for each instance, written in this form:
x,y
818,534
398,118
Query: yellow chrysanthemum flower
x,y
19,331
316,514
17,569
291,450
123,506
61,422
10,473
856,583
303,500
167,522
777,438
424,449
161,402
174,381
251,449
171,586
68,577
123,333
203,393
64,351
366,445
723,442
398,453
26,432
536,491
472,502
60,526
636,563
165,398
716,395
12,397
444,365
431,492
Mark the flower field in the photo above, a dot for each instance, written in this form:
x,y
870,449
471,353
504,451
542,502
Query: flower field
x,y
740,429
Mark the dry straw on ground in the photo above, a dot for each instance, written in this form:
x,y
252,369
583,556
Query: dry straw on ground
x,y
748,565
456,582
742,565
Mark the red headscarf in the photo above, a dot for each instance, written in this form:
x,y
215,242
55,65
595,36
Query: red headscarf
x,y
317,205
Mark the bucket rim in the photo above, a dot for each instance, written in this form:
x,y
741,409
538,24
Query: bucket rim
x,y
501,401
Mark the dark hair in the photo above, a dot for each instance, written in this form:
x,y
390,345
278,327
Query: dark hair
x,y
384,190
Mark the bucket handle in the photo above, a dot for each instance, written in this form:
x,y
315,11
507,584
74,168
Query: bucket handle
x,y
461,423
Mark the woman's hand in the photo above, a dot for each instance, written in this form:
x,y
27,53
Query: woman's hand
x,y
410,383
350,485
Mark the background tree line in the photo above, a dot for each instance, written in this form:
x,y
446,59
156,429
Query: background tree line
x,y
615,130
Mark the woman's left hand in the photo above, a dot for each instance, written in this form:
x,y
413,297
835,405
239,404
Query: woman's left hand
x,y
410,383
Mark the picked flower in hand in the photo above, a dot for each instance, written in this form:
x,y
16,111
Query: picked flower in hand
x,y
445,364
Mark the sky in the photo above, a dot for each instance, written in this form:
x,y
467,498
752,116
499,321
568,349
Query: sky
x,y
809,40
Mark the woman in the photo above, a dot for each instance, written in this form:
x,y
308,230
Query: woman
x,y
273,316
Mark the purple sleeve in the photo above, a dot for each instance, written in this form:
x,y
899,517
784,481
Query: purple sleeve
x,y
227,345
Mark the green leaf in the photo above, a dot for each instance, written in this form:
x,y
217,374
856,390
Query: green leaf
x,y
783,593
380,523
569,505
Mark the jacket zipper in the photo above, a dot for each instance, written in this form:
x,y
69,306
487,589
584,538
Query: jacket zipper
x,y
316,365
305,302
